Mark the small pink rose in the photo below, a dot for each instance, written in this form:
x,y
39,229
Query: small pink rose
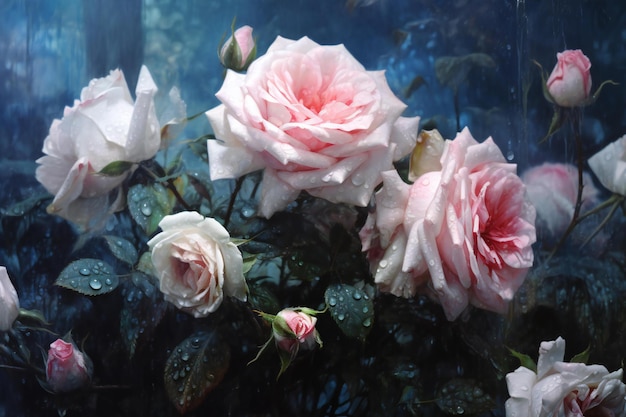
x,y
67,368
569,83
294,330
314,119
9,302
239,50
553,188
462,234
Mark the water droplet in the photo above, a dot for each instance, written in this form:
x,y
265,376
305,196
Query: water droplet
x,y
210,377
425,182
357,295
195,343
146,210
365,309
510,155
341,317
84,272
185,356
332,301
108,281
73,283
176,376
95,284
431,262
383,263
367,322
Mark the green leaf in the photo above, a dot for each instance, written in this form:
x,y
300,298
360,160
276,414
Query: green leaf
x,y
261,298
582,357
122,249
525,360
116,168
21,208
351,308
89,277
462,396
194,368
248,262
145,264
142,310
148,204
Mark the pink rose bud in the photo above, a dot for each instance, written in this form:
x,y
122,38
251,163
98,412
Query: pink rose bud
x,y
67,368
294,330
9,303
239,50
569,84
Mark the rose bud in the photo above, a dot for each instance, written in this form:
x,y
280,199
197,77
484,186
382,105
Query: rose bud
x,y
67,368
239,50
569,83
9,302
293,330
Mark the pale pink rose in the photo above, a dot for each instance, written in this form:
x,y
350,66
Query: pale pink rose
x,y
295,330
609,165
552,189
239,49
564,389
314,119
104,126
463,234
569,83
9,302
196,263
67,368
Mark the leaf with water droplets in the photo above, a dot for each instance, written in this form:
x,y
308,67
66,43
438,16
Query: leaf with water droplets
x,y
143,307
21,208
194,368
352,309
148,204
122,249
89,277
463,396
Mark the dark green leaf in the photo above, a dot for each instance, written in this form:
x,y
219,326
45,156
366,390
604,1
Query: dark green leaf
x,y
525,360
194,368
351,308
148,204
23,207
261,298
463,397
142,310
582,357
122,249
89,277
116,168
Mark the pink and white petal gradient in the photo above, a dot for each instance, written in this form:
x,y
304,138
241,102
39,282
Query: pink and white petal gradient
x,y
314,119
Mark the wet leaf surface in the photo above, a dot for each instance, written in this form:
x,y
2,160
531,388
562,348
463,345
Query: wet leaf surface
x,y
351,308
89,277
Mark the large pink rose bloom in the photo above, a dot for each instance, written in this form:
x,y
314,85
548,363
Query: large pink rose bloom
x,y
462,233
104,126
314,119
564,389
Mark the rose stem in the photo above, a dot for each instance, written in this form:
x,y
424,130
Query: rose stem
x,y
231,203
575,117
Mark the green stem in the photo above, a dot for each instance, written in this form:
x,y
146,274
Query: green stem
x,y
231,203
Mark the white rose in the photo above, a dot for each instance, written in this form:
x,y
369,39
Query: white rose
x,y
609,165
9,302
563,389
197,263
104,126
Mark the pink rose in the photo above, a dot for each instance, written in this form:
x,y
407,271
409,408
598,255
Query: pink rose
x,y
104,126
569,83
239,50
294,330
552,189
67,368
609,165
314,119
9,302
564,389
196,263
463,233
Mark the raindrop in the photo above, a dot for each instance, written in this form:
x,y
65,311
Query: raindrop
x,y
195,343
341,317
175,376
73,283
185,356
459,410
367,322
95,284
357,295
210,377
431,262
332,301
146,210
365,309
84,272
383,263
247,212
108,281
